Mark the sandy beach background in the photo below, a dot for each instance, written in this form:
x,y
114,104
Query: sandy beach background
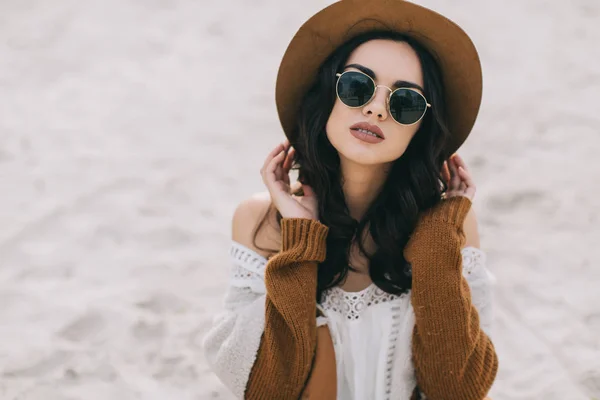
x,y
129,131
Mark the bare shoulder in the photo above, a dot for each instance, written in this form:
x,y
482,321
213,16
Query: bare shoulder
x,y
254,224
471,229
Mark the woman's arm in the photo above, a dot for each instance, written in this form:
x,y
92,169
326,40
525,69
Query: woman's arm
x,y
260,346
475,271
453,357
247,342
287,347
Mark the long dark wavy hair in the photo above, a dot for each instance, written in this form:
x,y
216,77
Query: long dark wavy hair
x,y
413,184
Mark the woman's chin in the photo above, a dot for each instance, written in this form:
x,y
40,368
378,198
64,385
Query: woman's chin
x,y
363,156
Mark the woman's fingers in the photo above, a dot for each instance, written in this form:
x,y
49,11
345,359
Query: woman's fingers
x,y
454,177
463,172
272,154
460,162
466,177
294,187
460,181
468,184
277,150
446,173
271,169
287,164
289,159
275,174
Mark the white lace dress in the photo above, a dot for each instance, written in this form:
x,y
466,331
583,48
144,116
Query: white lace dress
x,y
371,329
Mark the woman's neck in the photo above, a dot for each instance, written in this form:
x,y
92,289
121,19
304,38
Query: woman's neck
x,y
361,185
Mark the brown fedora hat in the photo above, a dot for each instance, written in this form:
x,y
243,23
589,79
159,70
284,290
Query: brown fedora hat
x,y
325,31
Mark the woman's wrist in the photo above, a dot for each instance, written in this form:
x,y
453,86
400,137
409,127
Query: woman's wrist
x,y
452,210
305,236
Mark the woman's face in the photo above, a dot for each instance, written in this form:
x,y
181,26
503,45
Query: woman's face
x,y
389,61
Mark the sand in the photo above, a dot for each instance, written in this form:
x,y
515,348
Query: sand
x,y
129,131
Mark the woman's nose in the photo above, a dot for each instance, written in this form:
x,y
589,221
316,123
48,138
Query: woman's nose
x,y
378,105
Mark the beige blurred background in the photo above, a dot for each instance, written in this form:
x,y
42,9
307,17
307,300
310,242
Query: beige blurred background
x,y
130,129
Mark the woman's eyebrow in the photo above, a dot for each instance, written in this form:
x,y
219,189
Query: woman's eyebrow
x,y
397,84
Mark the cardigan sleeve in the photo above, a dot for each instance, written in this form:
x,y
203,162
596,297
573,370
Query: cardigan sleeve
x,y
453,357
264,343
288,345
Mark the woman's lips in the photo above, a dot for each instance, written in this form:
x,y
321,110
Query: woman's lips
x,y
365,137
368,127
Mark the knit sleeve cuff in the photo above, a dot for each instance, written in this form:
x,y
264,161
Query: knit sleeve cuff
x,y
305,239
453,211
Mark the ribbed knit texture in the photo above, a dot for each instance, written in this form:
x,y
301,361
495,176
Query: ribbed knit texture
x,y
288,344
454,359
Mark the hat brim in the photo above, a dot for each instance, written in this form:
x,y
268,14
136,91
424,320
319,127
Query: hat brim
x,y
325,31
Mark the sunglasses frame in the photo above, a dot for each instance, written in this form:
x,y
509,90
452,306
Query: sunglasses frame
x,y
339,76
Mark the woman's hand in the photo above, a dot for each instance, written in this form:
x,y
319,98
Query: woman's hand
x,y
458,178
276,177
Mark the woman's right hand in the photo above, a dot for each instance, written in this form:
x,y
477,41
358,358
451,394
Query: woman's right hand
x,y
276,177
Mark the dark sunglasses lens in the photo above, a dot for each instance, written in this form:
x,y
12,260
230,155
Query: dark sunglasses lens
x,y
355,89
407,106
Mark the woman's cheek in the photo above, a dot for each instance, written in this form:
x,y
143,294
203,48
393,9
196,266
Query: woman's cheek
x,y
336,123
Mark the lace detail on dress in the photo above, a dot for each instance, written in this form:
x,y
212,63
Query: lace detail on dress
x,y
481,281
248,259
352,304
248,268
396,310
473,259
242,273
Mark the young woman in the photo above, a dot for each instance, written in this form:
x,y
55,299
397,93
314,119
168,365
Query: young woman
x,y
364,279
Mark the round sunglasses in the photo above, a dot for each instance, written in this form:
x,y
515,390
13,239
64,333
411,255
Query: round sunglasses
x,y
356,89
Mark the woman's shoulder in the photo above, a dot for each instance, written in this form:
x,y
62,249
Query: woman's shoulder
x,y
254,224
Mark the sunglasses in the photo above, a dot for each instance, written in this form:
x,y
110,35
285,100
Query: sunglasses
x,y
356,89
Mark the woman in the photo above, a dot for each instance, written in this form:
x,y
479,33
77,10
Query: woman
x,y
363,280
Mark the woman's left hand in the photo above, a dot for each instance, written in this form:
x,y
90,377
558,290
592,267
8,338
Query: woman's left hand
x,y
458,178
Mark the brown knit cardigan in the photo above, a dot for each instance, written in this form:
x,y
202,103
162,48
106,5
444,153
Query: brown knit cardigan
x,y
453,358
